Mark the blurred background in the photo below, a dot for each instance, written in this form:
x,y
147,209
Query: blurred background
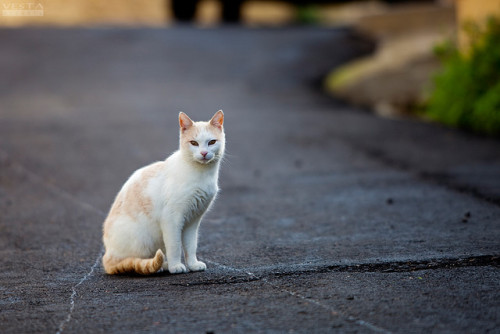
x,y
201,12
416,41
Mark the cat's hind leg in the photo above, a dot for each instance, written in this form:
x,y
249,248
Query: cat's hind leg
x,y
132,264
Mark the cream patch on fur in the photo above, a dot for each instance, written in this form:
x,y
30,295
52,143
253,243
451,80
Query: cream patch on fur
x,y
136,200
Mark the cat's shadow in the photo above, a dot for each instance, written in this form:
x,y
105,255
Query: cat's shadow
x,y
161,273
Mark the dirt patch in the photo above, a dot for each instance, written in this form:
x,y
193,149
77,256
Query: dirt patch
x,y
397,77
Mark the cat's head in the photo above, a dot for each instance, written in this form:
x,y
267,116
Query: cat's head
x,y
202,142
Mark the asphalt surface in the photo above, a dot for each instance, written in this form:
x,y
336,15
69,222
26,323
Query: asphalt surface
x,y
329,219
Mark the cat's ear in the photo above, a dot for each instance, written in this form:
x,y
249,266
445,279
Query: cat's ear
x,y
218,119
184,121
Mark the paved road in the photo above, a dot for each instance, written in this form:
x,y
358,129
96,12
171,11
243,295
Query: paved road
x,y
329,220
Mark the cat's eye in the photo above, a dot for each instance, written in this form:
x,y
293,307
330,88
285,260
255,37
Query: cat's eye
x,y
194,143
213,141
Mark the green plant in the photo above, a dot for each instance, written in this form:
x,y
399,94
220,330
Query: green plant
x,y
467,90
307,14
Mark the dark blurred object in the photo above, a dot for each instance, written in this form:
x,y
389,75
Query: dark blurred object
x,y
231,10
185,10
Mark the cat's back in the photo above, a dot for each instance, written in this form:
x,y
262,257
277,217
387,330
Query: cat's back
x,y
142,177
137,194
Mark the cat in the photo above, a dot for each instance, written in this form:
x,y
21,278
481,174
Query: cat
x,y
159,208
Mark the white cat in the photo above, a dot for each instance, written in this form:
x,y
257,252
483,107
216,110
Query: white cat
x,y
159,208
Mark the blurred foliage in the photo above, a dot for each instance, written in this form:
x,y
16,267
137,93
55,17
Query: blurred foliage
x,y
307,14
467,90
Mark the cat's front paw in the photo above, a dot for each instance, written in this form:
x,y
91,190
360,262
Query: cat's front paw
x,y
177,268
197,266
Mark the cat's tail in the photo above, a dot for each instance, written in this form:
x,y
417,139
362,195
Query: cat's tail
x,y
134,264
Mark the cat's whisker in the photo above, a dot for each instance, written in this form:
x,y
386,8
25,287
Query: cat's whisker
x,y
225,159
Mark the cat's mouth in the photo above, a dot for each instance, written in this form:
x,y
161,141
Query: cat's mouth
x,y
205,160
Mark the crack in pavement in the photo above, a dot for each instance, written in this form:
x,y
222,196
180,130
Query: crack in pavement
x,y
400,266
380,267
5,159
332,311
74,292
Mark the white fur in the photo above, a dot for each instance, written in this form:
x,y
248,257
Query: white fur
x,y
181,192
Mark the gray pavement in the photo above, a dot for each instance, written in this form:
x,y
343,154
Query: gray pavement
x,y
329,219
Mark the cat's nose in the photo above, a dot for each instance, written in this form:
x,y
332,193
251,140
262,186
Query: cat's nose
x,y
204,153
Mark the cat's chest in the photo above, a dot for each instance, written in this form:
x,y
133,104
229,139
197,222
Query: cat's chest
x,y
195,202
201,198
195,196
